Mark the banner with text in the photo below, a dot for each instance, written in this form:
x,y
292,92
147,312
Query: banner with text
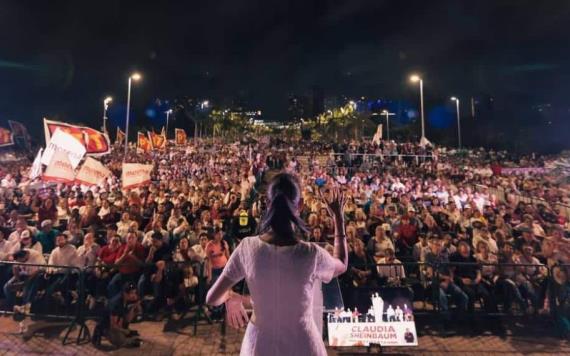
x,y
96,142
388,322
135,174
92,172
59,169
64,142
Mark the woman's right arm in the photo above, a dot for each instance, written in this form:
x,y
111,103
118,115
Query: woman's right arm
x,y
335,206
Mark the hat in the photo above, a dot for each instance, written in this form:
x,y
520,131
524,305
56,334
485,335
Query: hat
x,y
411,209
46,223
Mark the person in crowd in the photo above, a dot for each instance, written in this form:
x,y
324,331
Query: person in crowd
x,y
158,255
74,234
61,279
467,275
390,269
217,255
47,235
26,274
120,312
378,245
129,263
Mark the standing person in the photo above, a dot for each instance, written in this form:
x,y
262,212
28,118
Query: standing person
x,y
278,269
217,254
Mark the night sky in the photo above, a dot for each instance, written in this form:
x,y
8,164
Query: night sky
x,y
61,58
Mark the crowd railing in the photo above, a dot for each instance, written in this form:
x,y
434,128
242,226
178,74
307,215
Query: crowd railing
x,y
420,278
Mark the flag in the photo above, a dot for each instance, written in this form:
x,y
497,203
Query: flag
x,y
92,172
96,142
6,137
18,129
36,169
59,169
180,137
378,135
120,136
158,141
143,142
134,175
64,142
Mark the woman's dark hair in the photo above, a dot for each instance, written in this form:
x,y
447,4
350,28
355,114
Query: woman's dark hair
x,y
283,195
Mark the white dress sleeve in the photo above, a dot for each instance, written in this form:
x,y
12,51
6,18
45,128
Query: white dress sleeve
x,y
325,265
234,270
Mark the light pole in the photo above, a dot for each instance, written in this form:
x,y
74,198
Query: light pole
x,y
168,112
415,78
135,77
388,114
453,98
106,103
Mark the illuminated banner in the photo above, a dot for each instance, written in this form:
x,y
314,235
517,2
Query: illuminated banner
x,y
59,169
386,323
158,141
92,172
120,136
135,174
63,142
143,142
6,137
180,137
95,142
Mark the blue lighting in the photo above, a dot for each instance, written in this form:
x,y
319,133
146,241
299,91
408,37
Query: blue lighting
x,y
441,117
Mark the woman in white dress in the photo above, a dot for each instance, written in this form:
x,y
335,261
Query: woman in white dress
x,y
280,272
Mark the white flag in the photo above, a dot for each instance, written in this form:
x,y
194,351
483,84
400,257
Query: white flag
x,y
62,141
378,135
59,169
135,175
92,172
36,169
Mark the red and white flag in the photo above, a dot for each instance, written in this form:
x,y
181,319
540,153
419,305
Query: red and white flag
x,y
59,169
92,172
135,174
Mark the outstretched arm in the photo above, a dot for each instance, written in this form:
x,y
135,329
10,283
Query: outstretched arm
x,y
335,207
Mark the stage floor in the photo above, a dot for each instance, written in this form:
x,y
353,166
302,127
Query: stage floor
x,y
517,340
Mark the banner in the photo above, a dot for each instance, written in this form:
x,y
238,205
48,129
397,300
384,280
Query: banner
x,y
6,137
36,169
18,129
135,175
120,136
388,322
92,172
180,137
59,169
157,141
64,142
95,142
143,142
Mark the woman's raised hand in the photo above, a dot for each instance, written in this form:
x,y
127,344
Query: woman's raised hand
x,y
335,202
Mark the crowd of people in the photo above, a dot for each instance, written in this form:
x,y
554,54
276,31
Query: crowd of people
x,y
417,216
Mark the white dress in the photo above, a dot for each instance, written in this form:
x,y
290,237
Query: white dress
x,y
280,280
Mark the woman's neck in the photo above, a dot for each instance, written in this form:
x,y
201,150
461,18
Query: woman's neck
x,y
273,239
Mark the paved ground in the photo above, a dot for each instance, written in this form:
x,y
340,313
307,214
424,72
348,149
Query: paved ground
x,y
517,339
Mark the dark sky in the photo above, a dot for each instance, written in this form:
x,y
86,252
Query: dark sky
x,y
63,57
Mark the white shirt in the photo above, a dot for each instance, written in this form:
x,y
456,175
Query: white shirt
x,y
66,256
7,248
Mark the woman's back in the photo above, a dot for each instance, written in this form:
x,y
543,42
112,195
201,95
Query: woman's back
x,y
280,280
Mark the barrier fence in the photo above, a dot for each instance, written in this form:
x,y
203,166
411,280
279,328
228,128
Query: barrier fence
x,y
427,283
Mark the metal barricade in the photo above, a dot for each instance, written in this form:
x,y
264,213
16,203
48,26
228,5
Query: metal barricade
x,y
47,292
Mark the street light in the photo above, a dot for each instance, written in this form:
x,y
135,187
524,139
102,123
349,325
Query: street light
x,y
414,79
106,103
388,114
135,77
167,112
453,98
